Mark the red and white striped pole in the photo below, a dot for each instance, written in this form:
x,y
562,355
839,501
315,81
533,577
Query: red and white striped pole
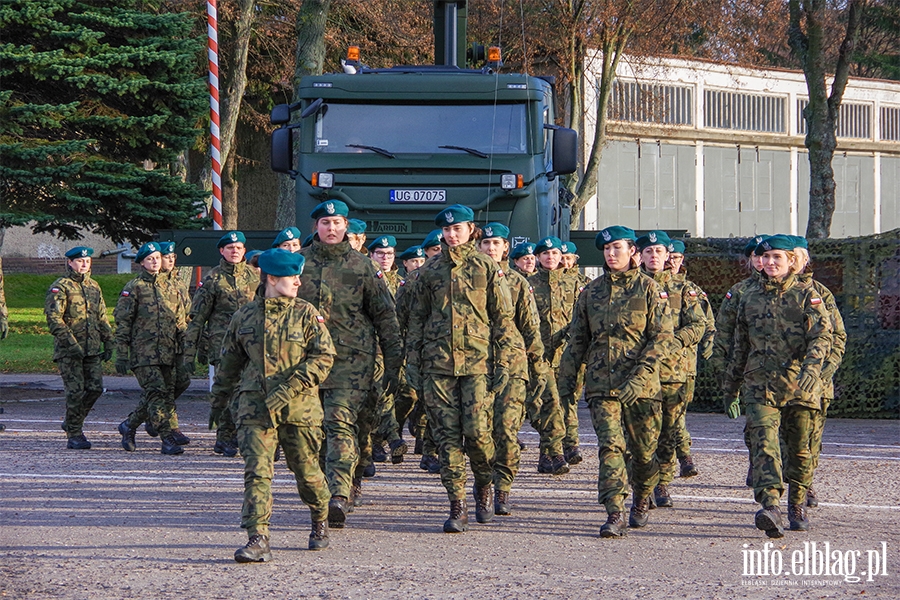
x,y
212,27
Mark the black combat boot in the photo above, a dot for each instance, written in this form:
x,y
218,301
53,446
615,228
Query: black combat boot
x,y
555,465
170,445
277,456
459,517
640,513
256,550
180,438
661,496
797,517
398,450
318,537
812,500
769,520
419,447
501,503
749,480
127,436
150,429
430,463
78,442
615,526
378,453
573,455
369,470
337,512
356,493
227,448
687,467
484,503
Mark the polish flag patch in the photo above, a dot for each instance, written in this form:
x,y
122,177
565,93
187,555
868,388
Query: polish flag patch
x,y
728,295
379,274
320,318
500,273
126,293
664,295
54,290
815,301
692,293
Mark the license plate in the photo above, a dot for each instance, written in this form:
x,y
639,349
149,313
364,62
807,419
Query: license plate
x,y
430,196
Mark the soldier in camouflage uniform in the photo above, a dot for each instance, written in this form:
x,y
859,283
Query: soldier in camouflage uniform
x,y
704,349
688,323
832,363
782,340
4,312
528,351
569,264
150,325
459,349
621,329
76,316
350,293
555,293
276,352
226,288
288,239
523,259
356,235
431,245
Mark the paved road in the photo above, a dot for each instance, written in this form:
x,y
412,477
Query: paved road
x,y
105,523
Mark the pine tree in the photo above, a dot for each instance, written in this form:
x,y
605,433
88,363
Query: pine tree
x,y
97,100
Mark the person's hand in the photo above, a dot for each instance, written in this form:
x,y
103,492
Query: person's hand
x,y
202,358
706,350
215,417
76,351
107,353
628,394
413,377
278,398
121,365
733,407
500,379
391,385
537,388
807,381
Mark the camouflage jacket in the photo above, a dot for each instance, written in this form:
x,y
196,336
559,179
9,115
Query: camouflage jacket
x,y
76,314
224,290
528,350
461,318
709,333
582,279
725,324
555,293
150,322
688,325
179,290
351,295
402,300
838,333
781,328
393,279
274,342
621,329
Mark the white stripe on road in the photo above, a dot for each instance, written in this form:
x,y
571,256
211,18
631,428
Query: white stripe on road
x,y
238,482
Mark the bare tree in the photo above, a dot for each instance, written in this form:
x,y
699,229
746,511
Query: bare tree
x,y
807,38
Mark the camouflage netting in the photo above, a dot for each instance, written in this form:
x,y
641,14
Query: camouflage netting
x,y
864,275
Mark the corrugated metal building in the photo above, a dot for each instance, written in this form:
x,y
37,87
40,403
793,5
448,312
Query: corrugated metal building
x,y
718,150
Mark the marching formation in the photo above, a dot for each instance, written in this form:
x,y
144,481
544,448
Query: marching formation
x,y
321,354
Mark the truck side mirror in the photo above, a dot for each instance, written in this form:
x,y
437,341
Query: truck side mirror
x,y
283,150
281,114
565,150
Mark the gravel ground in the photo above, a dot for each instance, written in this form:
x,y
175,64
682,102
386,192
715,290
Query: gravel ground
x,y
105,523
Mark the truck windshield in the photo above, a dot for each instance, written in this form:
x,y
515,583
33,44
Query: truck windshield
x,y
417,128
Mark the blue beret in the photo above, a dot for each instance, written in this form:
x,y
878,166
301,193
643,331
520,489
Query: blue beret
x,y
80,252
330,208
677,246
548,243
411,253
232,237
385,241
146,250
521,250
290,233
433,239
569,248
356,226
799,241
752,244
454,214
495,230
167,248
249,256
611,234
654,238
281,263
775,242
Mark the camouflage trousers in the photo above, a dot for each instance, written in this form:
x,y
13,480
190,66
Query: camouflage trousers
x,y
674,406
816,438
420,428
546,416
509,412
635,427
395,411
83,380
301,447
765,425
460,410
570,410
349,420
157,404
683,447
226,430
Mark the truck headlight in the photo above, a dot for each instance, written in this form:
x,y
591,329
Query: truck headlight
x,y
511,181
323,180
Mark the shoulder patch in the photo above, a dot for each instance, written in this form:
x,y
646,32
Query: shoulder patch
x,y
402,282
200,285
702,293
815,301
580,289
320,318
379,274
692,293
664,295
531,289
126,293
54,290
728,295
500,273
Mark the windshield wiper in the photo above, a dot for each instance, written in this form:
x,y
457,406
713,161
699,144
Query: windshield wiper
x,y
380,151
471,151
